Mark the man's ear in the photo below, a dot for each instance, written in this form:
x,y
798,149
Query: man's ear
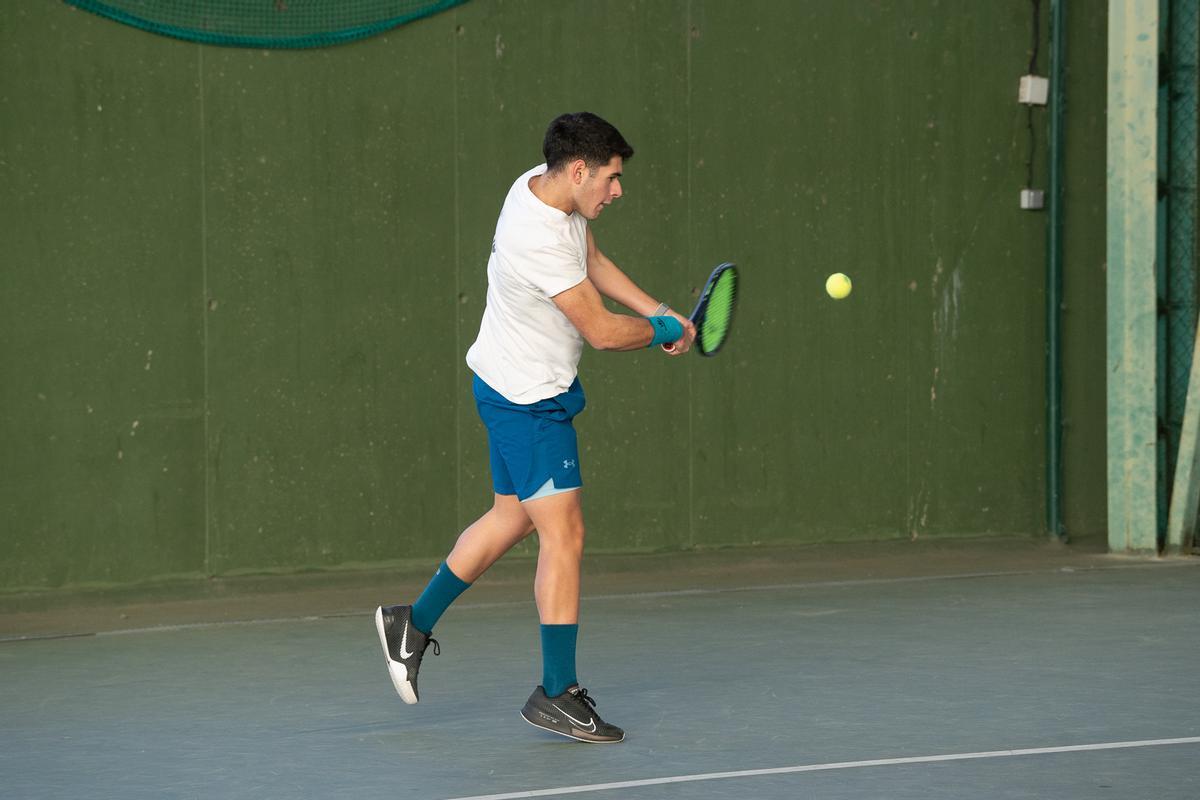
x,y
577,170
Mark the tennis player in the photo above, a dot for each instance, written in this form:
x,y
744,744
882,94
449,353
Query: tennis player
x,y
546,280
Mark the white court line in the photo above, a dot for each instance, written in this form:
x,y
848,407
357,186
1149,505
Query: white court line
x,y
879,762
697,592
463,606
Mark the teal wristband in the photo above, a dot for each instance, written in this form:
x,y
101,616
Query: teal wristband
x,y
666,330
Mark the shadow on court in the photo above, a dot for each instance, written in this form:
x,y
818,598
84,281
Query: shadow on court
x,y
997,668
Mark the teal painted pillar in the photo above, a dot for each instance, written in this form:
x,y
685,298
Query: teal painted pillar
x,y
1132,287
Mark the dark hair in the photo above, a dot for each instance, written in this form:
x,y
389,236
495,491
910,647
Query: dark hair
x,y
583,135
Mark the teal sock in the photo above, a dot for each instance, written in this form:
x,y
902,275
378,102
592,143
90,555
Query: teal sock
x,y
558,658
437,597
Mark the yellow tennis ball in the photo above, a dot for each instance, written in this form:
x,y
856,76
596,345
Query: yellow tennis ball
x,y
837,285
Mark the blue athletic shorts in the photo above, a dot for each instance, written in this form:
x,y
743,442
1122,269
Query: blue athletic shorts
x,y
533,447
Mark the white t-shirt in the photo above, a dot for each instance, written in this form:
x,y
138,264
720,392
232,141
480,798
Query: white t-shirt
x,y
527,349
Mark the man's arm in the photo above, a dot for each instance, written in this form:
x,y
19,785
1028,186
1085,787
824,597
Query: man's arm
x,y
601,328
610,281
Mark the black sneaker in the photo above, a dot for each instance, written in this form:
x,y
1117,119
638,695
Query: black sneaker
x,y
571,714
403,646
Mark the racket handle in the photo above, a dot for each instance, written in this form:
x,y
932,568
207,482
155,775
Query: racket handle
x,y
669,347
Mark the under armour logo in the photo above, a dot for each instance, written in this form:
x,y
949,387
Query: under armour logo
x,y
568,463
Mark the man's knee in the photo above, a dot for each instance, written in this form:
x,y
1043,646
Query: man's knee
x,y
559,520
567,535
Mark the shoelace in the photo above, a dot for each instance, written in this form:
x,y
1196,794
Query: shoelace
x,y
582,694
437,648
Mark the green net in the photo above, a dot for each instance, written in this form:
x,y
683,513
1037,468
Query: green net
x,y
718,314
1181,302
266,23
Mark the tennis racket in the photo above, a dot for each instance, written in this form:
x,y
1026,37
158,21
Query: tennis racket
x,y
713,315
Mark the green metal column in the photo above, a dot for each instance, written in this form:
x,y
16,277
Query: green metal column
x,y
1132,297
1162,261
1054,287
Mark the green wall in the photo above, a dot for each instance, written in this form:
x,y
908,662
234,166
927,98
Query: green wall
x,y
237,286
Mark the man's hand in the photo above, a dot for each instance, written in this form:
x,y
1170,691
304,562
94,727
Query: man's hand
x,y
685,343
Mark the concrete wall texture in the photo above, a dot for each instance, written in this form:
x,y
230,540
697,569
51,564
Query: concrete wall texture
x,y
237,286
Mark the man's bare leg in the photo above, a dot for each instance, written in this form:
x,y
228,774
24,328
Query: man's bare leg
x,y
489,537
559,523
560,705
404,631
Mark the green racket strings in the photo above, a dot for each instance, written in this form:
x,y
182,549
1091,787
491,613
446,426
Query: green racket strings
x,y
717,316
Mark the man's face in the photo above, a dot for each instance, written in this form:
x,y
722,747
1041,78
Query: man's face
x,y
598,188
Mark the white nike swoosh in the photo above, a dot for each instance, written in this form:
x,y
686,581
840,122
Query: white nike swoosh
x,y
589,726
405,653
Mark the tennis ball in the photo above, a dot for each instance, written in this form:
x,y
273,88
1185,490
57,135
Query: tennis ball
x,y
837,285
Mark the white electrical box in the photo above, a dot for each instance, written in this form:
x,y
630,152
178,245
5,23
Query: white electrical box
x,y
1033,198
1033,90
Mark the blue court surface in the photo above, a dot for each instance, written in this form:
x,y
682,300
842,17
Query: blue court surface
x,y
982,669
